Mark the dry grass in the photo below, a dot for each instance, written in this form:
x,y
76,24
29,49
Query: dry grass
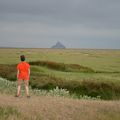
x,y
54,108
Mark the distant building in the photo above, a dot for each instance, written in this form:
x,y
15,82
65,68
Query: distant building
x,y
58,45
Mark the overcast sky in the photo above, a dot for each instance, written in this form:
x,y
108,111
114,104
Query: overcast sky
x,y
75,23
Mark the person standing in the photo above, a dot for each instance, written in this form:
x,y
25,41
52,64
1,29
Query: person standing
x,y
23,75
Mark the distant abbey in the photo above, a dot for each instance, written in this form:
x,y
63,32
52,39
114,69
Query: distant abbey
x,y
58,45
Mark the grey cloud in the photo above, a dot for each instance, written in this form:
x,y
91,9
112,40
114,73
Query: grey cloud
x,y
47,21
93,13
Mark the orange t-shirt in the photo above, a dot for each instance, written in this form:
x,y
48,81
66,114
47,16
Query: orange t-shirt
x,y
23,68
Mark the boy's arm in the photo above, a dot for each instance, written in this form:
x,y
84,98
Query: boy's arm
x,y
17,73
29,71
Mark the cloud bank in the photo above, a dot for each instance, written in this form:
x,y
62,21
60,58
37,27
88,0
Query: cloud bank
x,y
77,24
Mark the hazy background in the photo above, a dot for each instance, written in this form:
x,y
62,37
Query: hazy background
x,y
75,23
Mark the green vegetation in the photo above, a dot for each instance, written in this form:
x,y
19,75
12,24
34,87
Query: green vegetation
x,y
9,113
41,79
9,87
8,71
82,72
62,67
12,113
100,60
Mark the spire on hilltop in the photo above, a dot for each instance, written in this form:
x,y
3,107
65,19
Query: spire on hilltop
x,y
58,45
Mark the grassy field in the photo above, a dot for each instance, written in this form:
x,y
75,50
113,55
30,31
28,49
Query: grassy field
x,y
104,60
81,71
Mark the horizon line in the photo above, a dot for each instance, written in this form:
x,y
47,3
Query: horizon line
x,y
55,48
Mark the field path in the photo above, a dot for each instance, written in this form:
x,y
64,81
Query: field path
x,y
55,108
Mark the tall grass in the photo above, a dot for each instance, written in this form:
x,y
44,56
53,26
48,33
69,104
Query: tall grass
x,y
12,113
9,113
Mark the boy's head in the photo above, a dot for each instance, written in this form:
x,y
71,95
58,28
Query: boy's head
x,y
22,57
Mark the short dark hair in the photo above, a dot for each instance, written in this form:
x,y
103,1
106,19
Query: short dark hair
x,y
22,57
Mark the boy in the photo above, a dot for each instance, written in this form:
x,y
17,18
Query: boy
x,y
23,74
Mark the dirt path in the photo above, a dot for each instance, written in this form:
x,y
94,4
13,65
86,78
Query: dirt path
x,y
54,108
